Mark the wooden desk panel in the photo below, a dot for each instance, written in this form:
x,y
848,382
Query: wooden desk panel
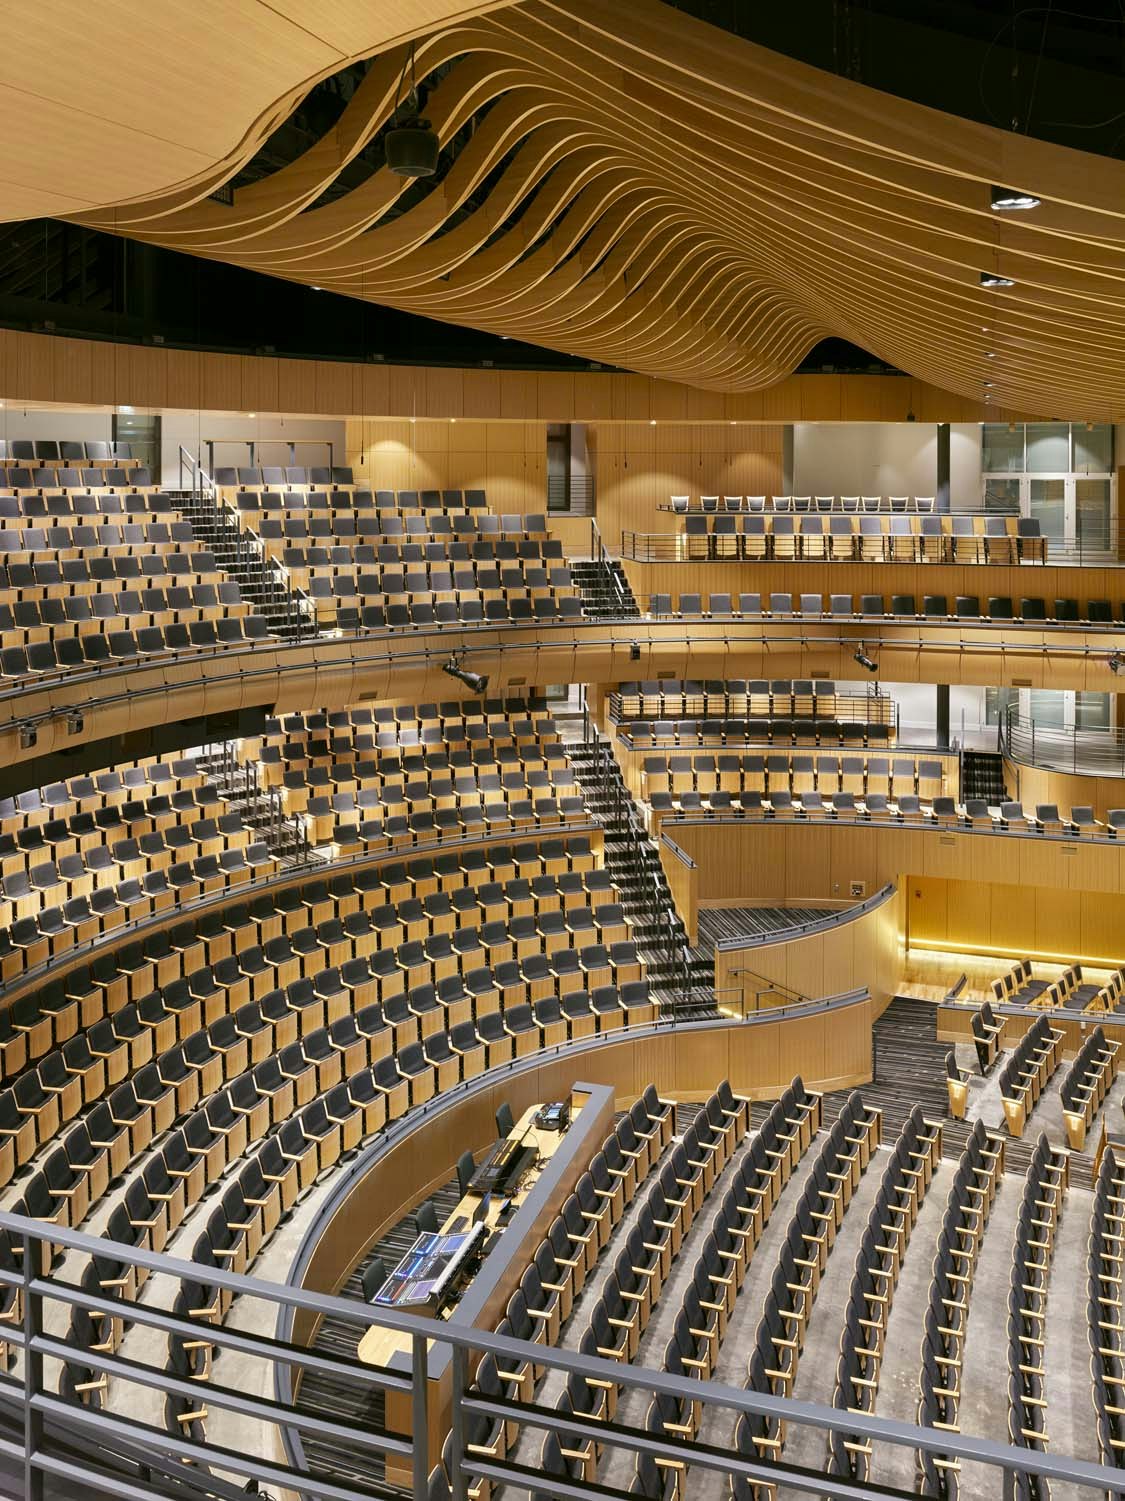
x,y
486,1297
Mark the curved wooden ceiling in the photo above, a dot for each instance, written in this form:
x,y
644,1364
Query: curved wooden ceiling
x,y
114,103
655,194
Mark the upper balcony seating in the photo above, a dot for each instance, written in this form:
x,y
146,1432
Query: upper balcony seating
x,y
88,580
802,784
897,538
368,777
823,505
934,608
64,453
740,709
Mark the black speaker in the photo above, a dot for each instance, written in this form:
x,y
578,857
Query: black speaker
x,y
412,149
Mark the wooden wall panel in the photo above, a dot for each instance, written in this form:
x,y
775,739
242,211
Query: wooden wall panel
x,y
809,576
1034,786
506,459
639,466
858,952
50,368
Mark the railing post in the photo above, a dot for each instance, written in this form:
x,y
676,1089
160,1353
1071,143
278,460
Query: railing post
x,y
459,1383
420,1425
32,1371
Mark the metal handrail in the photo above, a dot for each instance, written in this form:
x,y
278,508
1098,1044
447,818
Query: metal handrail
x,y
575,637
1096,753
42,1293
833,919
914,548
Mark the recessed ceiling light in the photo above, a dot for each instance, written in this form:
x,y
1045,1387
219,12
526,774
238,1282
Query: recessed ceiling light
x,y
251,414
990,354
318,289
994,279
1005,199
652,422
990,382
733,423
413,420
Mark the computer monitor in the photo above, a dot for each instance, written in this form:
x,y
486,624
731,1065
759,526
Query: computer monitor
x,y
480,1213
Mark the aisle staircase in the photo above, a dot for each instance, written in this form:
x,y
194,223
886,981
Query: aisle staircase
x,y
606,594
260,808
239,554
982,775
682,980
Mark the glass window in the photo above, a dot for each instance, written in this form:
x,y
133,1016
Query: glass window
x,y
996,701
1001,494
1093,514
1091,711
1002,448
1048,447
1048,708
1093,448
1048,506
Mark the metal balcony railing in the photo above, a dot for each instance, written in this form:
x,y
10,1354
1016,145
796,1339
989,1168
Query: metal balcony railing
x,y
1093,753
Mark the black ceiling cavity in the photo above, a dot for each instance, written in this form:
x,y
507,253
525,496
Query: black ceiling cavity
x,y
1053,71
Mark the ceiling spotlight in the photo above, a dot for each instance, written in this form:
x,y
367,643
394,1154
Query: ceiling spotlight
x,y
411,145
28,736
473,680
74,723
864,660
1006,199
318,289
652,422
1115,662
990,354
994,279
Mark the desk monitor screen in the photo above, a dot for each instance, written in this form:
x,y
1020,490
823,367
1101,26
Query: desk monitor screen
x,y
425,1268
480,1213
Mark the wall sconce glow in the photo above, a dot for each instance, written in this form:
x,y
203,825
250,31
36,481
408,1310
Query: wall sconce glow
x,y
994,279
1004,200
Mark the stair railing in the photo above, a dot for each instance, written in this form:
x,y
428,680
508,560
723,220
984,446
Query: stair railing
x,y
658,913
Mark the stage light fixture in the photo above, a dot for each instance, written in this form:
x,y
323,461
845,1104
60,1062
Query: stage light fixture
x,y
994,279
1004,200
473,680
1115,662
75,724
29,735
634,651
864,660
411,144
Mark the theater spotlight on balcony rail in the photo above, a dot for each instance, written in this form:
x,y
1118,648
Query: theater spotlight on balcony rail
x,y
1115,662
474,680
864,660
1004,200
994,279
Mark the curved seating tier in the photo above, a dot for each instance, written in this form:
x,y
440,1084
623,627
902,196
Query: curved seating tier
x,y
964,538
1031,610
